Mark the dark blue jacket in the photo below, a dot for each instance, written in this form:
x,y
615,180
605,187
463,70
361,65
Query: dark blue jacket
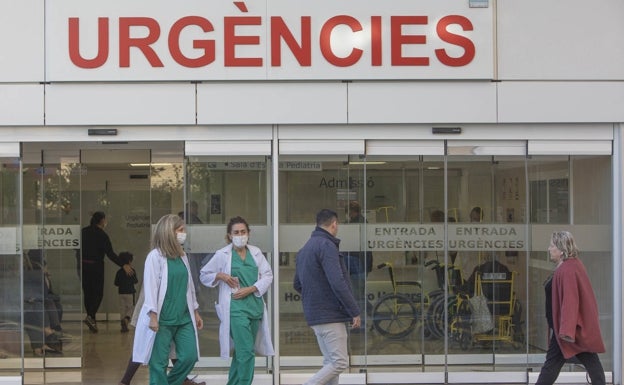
x,y
322,280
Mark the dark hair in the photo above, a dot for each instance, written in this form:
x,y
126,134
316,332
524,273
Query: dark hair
x,y
437,216
237,220
97,217
325,217
126,257
355,206
478,211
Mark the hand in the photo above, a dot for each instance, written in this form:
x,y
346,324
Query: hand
x,y
357,322
153,324
128,269
228,280
566,338
199,322
244,292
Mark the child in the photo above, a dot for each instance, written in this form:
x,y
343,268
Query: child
x,y
126,284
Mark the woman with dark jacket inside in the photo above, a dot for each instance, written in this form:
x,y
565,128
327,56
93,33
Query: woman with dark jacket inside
x,y
95,245
572,314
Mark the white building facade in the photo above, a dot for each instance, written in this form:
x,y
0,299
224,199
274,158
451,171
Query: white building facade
x,y
275,109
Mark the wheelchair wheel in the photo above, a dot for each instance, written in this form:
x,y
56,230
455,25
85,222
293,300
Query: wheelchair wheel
x,y
436,315
395,316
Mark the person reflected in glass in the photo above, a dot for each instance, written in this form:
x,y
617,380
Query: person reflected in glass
x,y
476,214
243,275
571,313
359,263
37,321
191,216
170,313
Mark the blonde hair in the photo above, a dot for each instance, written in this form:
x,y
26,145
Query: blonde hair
x,y
164,237
564,241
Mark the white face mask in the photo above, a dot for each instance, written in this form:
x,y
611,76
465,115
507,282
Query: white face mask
x,y
239,241
181,237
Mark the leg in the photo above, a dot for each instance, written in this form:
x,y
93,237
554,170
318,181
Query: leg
x,y
332,340
186,354
160,356
553,364
52,313
243,331
593,366
99,290
87,290
195,265
125,310
33,325
131,369
93,287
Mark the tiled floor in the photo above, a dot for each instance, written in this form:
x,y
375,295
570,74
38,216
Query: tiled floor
x,y
105,356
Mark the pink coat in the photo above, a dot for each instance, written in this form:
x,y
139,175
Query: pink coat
x,y
575,312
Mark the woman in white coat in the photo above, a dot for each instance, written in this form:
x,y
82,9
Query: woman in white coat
x,y
170,311
243,275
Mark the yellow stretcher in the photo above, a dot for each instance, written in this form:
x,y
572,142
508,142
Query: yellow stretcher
x,y
498,288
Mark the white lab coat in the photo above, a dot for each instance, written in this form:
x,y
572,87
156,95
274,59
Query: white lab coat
x,y
154,290
221,262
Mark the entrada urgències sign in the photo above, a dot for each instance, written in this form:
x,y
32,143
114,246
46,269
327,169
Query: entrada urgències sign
x,y
271,39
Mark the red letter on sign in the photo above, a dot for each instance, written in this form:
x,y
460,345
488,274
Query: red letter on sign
x,y
398,40
462,41
208,46
376,40
74,44
303,52
326,48
231,41
125,41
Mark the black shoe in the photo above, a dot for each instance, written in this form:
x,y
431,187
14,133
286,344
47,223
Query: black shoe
x,y
52,342
52,352
63,336
91,324
124,326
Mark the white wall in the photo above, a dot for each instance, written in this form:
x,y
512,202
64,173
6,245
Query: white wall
x,y
556,63
560,40
22,41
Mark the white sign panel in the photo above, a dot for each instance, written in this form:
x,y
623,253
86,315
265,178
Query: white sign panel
x,y
8,240
430,237
51,237
140,40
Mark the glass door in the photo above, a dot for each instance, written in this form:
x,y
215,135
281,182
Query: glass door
x,y
308,184
64,186
11,364
219,188
51,241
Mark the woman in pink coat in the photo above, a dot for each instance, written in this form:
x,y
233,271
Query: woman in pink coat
x,y
572,314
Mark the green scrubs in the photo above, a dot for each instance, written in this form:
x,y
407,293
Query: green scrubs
x,y
175,324
245,317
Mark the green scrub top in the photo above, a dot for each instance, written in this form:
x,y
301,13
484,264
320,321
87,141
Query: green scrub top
x,y
247,273
175,310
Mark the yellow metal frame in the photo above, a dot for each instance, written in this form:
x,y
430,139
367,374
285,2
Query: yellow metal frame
x,y
503,329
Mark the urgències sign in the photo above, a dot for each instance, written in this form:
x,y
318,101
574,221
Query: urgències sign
x,y
142,40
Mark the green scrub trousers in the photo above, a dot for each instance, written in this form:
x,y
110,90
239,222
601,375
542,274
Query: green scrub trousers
x,y
245,317
175,324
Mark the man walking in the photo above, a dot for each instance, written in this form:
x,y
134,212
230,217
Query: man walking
x,y
322,279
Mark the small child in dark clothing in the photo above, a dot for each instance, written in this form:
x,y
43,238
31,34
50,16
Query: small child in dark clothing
x,y
126,284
